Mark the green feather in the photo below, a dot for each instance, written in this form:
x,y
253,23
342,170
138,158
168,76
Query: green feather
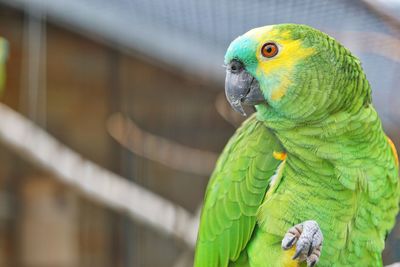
x,y
340,169
227,223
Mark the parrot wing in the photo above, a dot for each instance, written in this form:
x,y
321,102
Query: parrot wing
x,y
236,190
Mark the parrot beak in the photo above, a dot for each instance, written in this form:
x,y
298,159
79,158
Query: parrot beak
x,y
241,87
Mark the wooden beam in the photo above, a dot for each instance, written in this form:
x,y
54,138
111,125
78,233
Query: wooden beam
x,y
95,182
167,152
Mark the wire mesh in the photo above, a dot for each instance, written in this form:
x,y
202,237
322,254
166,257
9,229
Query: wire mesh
x,y
193,35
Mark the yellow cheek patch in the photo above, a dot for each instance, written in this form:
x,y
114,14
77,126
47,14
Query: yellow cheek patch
x,y
290,53
281,90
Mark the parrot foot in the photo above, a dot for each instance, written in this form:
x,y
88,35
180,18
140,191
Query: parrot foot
x,y
307,237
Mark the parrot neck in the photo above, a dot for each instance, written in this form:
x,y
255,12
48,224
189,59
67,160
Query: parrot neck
x,y
342,136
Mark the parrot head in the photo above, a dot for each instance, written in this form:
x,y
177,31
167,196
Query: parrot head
x,y
293,71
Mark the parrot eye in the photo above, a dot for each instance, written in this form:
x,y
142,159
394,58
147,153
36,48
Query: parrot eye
x,y
269,50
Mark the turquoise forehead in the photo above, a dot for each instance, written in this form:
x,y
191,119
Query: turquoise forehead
x,y
242,48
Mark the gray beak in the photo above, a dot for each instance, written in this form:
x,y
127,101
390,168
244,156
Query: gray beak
x,y
241,87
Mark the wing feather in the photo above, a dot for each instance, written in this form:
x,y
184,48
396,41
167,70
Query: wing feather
x,y
235,191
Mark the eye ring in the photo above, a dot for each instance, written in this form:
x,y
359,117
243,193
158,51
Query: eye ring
x,y
269,50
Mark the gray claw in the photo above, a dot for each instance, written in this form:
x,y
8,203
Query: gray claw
x,y
297,254
292,241
291,237
308,238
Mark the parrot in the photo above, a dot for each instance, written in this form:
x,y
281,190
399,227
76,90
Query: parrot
x,y
3,59
310,178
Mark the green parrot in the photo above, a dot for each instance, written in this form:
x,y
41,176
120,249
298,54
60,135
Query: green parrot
x,y
311,166
3,59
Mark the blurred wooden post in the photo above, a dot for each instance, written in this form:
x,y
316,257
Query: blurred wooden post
x,y
5,215
48,230
95,182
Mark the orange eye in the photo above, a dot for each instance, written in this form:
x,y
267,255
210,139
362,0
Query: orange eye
x,y
269,50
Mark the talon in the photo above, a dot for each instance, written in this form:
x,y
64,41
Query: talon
x,y
288,244
310,250
311,261
297,254
308,238
291,242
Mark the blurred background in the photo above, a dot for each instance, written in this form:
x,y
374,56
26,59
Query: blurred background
x,y
123,116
